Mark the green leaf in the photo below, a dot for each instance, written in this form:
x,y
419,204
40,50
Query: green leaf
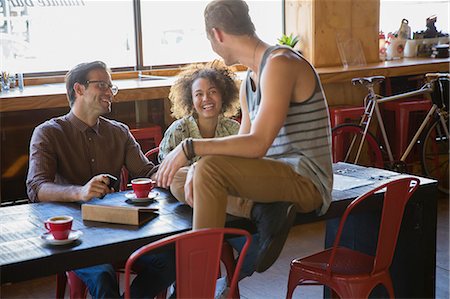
x,y
288,40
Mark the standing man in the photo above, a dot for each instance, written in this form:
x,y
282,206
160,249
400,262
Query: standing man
x,y
283,150
69,157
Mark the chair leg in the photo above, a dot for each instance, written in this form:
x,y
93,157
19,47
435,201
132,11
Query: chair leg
x,y
334,294
387,282
162,295
228,260
292,284
78,289
61,280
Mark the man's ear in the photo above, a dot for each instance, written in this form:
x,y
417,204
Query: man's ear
x,y
218,34
79,88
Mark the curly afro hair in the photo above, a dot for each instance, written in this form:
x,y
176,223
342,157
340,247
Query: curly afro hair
x,y
217,73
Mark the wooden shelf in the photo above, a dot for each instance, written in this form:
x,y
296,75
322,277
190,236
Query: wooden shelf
x,y
392,68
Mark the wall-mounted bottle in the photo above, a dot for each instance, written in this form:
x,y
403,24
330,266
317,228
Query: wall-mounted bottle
x,y
382,46
20,79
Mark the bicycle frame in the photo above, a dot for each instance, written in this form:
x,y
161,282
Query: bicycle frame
x,y
371,104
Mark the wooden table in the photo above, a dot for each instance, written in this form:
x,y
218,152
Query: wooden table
x,y
24,256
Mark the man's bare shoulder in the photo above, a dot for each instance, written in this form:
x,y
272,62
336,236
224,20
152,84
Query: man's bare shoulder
x,y
287,61
295,71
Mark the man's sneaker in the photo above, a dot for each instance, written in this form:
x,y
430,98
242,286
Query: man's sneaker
x,y
273,222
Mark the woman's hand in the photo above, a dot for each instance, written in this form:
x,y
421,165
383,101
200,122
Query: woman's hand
x,y
189,186
169,166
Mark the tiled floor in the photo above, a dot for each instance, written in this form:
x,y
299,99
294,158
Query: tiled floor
x,y
303,240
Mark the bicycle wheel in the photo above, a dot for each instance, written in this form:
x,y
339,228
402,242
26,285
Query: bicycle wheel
x,y
435,152
342,136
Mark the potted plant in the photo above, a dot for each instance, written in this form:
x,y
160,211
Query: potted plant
x,y
288,40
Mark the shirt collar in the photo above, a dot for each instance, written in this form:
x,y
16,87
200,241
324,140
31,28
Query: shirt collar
x,y
80,125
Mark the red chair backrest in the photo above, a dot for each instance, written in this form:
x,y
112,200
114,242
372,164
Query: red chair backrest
x,y
197,261
396,196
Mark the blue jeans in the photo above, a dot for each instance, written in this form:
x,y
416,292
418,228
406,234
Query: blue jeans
x,y
249,264
155,272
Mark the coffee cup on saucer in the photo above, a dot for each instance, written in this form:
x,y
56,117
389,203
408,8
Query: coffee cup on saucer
x,y
59,226
142,187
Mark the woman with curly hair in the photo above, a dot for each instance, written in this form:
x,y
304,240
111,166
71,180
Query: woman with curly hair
x,y
203,98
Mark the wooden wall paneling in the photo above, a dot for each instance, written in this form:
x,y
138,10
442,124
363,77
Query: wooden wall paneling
x,y
298,20
332,19
338,94
319,23
365,26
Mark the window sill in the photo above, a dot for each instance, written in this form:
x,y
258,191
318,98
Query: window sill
x,y
53,95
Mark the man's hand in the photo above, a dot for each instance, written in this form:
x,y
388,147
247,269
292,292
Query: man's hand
x,y
189,186
169,166
96,187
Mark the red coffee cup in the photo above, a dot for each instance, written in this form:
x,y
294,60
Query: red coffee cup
x,y
59,226
142,187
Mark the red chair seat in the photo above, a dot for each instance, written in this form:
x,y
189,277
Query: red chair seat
x,y
348,262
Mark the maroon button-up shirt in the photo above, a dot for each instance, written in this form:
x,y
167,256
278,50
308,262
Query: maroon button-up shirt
x,y
66,151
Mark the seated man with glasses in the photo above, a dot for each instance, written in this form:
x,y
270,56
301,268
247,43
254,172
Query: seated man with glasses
x,y
70,157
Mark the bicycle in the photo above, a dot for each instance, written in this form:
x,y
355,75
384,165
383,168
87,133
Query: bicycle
x,y
354,143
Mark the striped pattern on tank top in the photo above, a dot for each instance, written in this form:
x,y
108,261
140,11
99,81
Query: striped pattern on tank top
x,y
304,141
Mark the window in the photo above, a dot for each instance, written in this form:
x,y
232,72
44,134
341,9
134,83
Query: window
x,y
416,12
55,35
39,36
183,40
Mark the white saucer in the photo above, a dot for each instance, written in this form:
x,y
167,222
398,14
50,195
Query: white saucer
x,y
151,196
74,235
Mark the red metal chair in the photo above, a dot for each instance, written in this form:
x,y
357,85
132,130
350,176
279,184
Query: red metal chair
x,y
349,273
198,255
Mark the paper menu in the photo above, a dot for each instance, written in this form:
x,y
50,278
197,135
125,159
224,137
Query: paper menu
x,y
342,182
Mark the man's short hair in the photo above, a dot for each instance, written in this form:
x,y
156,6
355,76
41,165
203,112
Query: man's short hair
x,y
79,74
230,16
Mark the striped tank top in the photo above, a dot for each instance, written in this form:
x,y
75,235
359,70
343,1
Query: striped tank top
x,y
304,141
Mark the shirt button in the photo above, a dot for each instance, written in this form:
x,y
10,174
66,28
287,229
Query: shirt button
x,y
92,160
90,139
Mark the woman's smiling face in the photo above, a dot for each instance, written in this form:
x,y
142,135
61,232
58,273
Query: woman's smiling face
x,y
206,98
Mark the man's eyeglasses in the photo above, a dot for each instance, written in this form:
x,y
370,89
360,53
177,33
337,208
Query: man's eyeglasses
x,y
104,86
